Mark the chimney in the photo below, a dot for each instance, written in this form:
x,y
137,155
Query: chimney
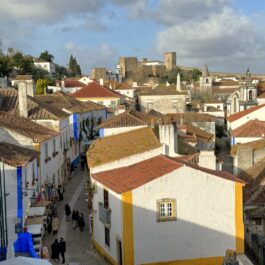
x,y
22,99
178,83
63,83
168,137
135,84
101,81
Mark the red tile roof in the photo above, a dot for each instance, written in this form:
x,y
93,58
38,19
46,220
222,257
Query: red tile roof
x,y
243,113
253,128
95,90
73,83
131,177
128,178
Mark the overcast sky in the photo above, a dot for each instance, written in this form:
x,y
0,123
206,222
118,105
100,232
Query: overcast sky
x,y
227,34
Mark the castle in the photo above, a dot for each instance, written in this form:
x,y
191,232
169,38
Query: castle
x,y
130,68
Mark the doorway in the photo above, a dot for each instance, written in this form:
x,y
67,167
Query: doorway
x,y
119,252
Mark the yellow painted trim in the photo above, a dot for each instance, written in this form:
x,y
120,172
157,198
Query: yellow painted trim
x,y
127,228
239,225
103,253
200,261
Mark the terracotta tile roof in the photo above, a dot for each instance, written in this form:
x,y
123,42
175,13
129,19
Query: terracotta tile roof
x,y
189,117
26,127
15,155
36,110
131,177
127,119
23,77
73,83
223,90
115,147
95,90
162,90
243,113
62,100
201,134
253,128
226,83
185,149
255,145
116,85
258,212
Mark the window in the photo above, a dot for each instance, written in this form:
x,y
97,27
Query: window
x,y
166,210
113,103
46,150
107,237
106,199
250,95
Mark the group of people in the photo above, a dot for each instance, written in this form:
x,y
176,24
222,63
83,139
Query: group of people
x,y
77,219
58,248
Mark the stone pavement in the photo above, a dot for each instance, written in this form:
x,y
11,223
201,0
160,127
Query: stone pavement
x,y
79,250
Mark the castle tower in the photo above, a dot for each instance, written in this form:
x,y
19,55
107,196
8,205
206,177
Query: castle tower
x,y
170,60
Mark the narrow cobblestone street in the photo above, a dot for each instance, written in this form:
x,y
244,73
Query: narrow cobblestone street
x,y
79,249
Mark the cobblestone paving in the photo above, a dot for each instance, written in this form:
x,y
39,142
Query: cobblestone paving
x,y
79,250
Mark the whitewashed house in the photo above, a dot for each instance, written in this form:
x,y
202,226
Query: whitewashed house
x,y
26,133
83,120
19,103
47,66
19,173
163,210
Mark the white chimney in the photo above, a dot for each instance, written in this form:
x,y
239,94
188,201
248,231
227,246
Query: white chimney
x,y
135,84
101,81
178,83
168,137
22,99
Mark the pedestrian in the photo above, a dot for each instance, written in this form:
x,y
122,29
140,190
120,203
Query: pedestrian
x,y
60,192
62,247
72,169
54,194
75,216
81,222
67,210
83,161
55,225
55,248
49,223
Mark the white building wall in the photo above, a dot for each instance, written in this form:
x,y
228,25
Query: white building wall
x,y
257,114
127,92
11,199
127,161
242,140
114,131
205,225
107,102
115,204
163,103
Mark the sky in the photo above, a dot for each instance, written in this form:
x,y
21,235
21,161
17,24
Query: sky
x,y
228,35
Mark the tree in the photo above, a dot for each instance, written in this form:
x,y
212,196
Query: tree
x,y
41,86
5,65
74,67
46,56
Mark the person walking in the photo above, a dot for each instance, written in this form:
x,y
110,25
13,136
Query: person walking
x,y
62,247
81,222
67,210
75,216
60,192
55,248
49,223
55,225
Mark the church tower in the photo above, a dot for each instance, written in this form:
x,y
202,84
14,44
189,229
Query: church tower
x,y
205,80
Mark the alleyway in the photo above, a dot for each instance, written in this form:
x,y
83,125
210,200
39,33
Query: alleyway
x,y
79,250
223,154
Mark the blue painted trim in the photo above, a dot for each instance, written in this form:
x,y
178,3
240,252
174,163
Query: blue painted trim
x,y
101,132
75,127
19,195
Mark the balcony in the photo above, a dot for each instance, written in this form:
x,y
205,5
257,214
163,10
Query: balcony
x,y
104,214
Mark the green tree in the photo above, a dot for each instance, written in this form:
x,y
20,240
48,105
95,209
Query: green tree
x,y
41,86
74,67
5,65
46,56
